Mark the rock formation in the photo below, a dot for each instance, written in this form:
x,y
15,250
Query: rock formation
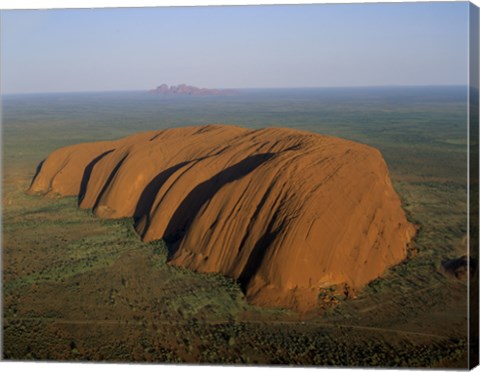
x,y
460,267
188,90
287,213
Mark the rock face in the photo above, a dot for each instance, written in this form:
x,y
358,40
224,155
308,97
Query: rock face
x,y
188,90
287,213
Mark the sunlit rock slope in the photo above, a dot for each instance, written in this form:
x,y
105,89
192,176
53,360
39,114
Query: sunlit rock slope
x,y
287,213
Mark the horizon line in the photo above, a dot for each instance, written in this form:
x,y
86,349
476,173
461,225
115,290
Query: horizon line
x,y
244,89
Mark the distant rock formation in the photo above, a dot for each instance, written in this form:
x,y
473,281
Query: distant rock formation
x,y
188,90
292,215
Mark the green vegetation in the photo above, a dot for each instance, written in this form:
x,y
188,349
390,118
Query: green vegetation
x,y
78,287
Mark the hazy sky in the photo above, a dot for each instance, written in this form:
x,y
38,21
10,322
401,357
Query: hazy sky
x,y
234,47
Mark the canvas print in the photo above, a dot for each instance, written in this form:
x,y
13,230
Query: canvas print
x,y
254,185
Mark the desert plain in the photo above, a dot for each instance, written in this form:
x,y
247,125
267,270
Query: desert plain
x,y
96,275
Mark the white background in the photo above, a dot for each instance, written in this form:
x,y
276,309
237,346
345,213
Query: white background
x,y
37,4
